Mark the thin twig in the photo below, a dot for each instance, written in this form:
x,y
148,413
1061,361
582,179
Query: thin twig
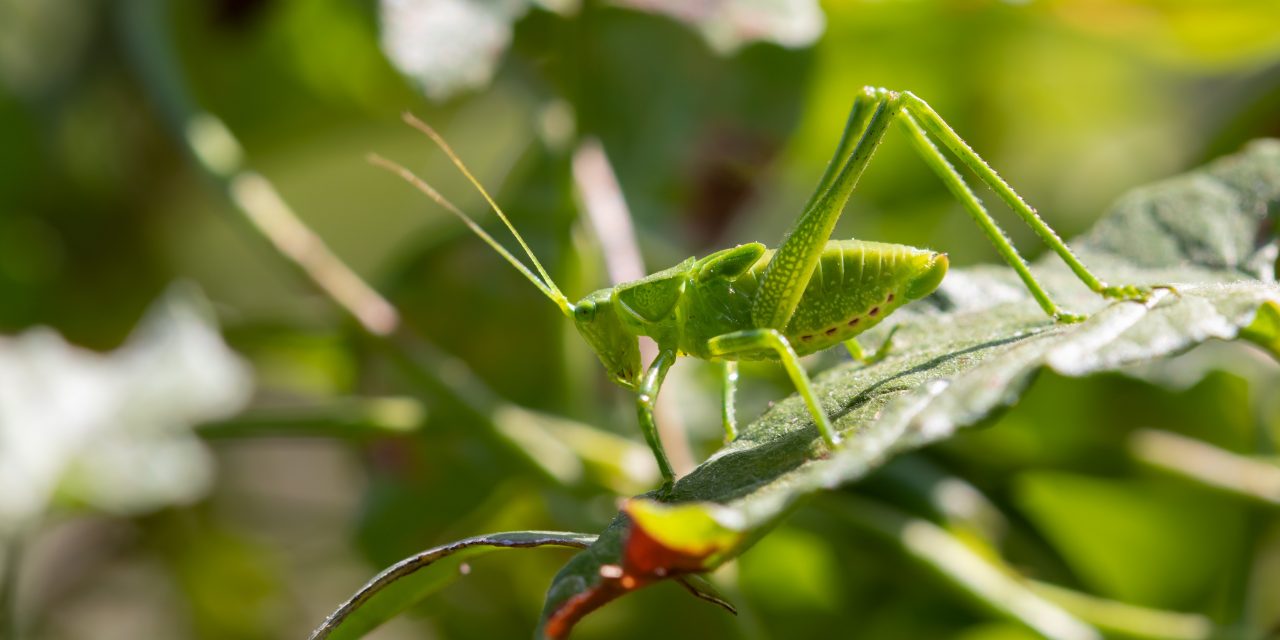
x,y
607,211
1208,465
215,150
276,220
993,586
1052,611
1127,620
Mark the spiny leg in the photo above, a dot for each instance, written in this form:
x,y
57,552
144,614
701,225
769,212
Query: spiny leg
x,y
931,122
728,391
646,398
788,272
754,340
973,205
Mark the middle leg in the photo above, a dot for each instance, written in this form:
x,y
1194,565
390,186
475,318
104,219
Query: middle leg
x,y
646,399
772,340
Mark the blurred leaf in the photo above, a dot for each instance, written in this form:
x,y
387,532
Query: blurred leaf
x,y
412,579
988,581
686,130
998,631
793,570
114,431
972,348
229,578
1240,32
1135,541
1265,330
577,454
349,65
41,42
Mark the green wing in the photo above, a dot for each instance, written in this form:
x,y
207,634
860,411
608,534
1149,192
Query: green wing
x,y
730,263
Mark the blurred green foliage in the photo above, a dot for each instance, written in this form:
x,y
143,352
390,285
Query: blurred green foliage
x,y
1073,101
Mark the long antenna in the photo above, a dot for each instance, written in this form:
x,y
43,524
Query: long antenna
x,y
550,291
414,122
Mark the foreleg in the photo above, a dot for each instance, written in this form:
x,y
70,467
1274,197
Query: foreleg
x,y
728,393
646,399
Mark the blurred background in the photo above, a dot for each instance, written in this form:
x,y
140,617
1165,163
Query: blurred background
x,y
201,438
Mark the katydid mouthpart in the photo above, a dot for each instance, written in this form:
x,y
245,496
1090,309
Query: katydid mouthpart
x,y
753,303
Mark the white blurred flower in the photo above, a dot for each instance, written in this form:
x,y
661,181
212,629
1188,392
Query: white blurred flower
x,y
113,431
727,25
448,46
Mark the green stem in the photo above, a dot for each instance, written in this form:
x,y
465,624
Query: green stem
x,y
1208,465
916,480
1127,620
1049,610
345,418
993,586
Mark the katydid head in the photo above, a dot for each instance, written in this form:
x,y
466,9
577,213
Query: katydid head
x,y
596,317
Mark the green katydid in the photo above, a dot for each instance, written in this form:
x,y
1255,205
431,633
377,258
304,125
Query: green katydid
x,y
752,303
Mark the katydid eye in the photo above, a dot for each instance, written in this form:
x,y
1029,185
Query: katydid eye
x,y
585,311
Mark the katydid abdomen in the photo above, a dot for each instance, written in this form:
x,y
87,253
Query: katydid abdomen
x,y
855,285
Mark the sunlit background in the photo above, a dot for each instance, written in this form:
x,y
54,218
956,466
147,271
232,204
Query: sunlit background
x,y
197,441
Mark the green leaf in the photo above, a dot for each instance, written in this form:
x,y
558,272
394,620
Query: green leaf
x,y
1265,330
412,579
969,351
1136,541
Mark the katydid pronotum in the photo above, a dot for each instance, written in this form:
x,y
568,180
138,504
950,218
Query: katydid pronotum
x,y
752,303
